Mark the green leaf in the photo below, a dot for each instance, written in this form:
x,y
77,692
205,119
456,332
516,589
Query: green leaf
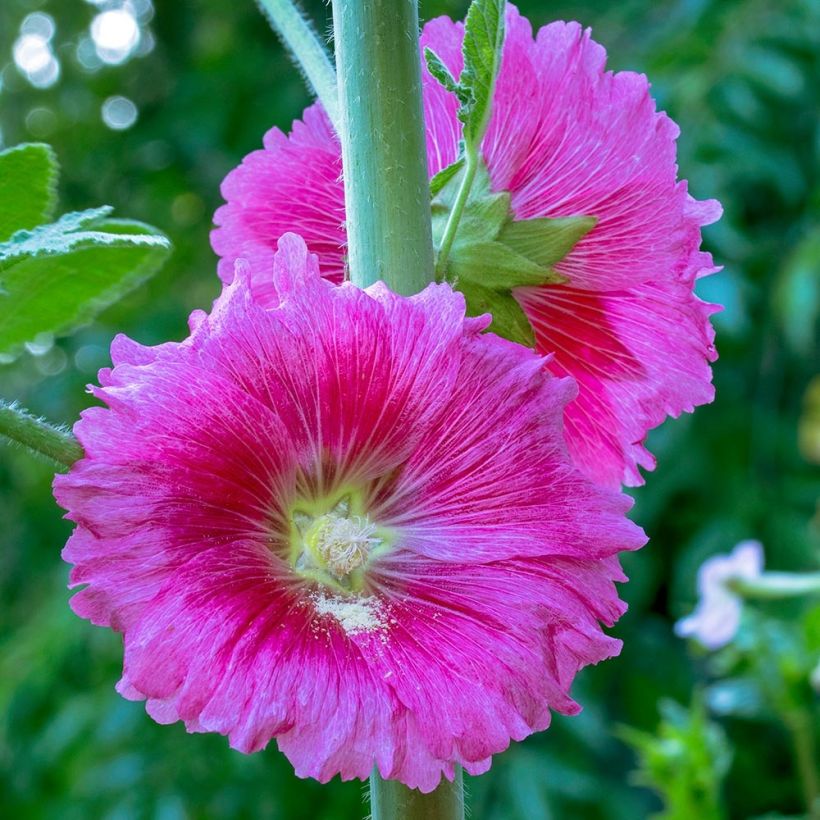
x,y
67,235
444,176
28,180
481,50
509,320
58,277
440,72
546,241
483,41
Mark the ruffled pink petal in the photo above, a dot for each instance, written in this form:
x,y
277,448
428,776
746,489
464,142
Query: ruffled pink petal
x,y
293,184
183,538
638,356
566,138
456,487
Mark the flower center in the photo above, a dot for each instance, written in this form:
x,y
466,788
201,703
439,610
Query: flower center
x,y
343,544
334,547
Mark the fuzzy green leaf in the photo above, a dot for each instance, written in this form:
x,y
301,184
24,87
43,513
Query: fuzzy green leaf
x,y
440,72
28,179
58,277
483,41
69,233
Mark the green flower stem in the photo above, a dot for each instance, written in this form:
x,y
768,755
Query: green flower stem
x,y
37,435
451,228
306,47
384,157
390,800
775,585
802,732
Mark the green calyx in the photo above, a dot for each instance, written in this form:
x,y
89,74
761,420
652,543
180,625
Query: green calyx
x,y
492,253
480,248
334,541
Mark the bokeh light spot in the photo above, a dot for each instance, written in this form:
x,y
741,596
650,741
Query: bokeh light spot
x,y
119,113
116,34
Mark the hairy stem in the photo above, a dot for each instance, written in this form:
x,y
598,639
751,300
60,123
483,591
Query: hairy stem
x,y
304,43
387,195
390,800
37,435
775,585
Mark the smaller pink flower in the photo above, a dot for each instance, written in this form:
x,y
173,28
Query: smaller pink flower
x,y
566,138
347,521
716,618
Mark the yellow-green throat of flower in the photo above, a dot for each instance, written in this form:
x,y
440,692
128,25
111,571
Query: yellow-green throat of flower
x,y
334,546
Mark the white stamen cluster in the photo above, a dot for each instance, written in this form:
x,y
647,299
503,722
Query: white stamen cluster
x,y
344,544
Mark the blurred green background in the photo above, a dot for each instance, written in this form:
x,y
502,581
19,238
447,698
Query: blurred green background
x,y
150,121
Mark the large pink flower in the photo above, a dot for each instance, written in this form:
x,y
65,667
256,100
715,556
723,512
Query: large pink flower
x,y
566,138
348,522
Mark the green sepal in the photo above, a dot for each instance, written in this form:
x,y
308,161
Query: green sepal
x,y
440,179
509,320
28,187
493,253
497,266
546,241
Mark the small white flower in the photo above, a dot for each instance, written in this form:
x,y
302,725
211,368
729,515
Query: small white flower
x,y
717,616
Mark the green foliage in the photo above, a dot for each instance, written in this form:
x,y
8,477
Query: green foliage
x,y
797,294
28,187
492,253
685,761
483,39
481,50
57,277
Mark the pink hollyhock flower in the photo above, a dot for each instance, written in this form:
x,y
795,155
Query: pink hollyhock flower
x,y
347,521
716,618
567,138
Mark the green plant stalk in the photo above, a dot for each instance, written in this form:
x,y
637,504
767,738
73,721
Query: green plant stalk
x,y
384,156
310,54
776,585
453,220
389,230
38,436
390,800
800,727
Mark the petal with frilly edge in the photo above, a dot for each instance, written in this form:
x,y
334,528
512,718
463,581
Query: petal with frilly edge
x,y
566,138
448,442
